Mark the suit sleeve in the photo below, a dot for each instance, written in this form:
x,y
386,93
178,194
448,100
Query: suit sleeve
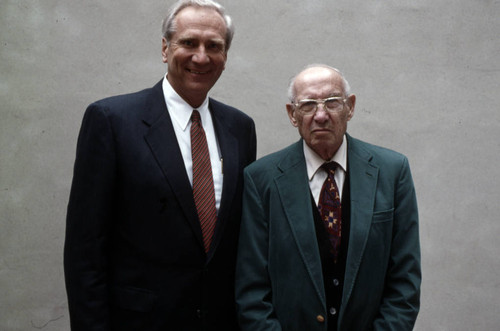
x,y
253,286
88,220
401,299
253,144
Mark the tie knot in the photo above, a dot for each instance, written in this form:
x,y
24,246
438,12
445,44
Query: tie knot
x,y
329,166
195,116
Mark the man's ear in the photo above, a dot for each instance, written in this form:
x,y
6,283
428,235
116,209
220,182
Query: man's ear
x,y
225,61
290,109
351,102
164,50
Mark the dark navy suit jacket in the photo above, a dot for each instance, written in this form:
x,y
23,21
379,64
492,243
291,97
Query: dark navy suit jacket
x,y
133,256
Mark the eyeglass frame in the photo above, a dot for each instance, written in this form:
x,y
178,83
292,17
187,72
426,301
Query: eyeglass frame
x,y
323,102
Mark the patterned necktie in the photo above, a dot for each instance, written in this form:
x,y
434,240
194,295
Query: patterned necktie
x,y
203,184
330,208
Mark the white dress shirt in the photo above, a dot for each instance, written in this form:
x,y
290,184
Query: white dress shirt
x,y
180,114
317,175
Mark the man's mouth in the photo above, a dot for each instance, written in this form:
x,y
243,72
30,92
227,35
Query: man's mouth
x,y
197,72
321,130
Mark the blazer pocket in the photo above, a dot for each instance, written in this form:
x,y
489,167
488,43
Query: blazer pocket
x,y
383,216
136,299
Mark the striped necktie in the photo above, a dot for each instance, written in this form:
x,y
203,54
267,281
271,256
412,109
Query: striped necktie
x,y
203,184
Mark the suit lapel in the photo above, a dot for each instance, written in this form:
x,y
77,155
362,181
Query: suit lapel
x,y
363,176
228,145
162,141
293,188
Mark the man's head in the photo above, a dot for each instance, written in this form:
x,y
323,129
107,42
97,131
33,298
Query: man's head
x,y
196,37
321,123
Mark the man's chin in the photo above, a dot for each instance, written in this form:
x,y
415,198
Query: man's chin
x,y
198,86
322,136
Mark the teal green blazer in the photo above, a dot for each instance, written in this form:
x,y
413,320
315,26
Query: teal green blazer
x,y
279,280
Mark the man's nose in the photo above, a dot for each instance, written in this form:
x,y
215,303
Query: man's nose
x,y
200,56
321,115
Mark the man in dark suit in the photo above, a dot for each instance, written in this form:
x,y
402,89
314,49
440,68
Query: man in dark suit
x,y
152,231
329,233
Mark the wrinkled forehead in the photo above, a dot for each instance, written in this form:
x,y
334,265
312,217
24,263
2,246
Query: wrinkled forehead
x,y
200,18
318,83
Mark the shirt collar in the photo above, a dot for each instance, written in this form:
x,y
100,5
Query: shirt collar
x,y
180,111
314,161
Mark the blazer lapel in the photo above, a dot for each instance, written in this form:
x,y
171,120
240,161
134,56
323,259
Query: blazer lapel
x,y
163,144
228,145
363,176
294,192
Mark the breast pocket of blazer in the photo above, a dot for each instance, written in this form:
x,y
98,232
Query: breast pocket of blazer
x,y
383,216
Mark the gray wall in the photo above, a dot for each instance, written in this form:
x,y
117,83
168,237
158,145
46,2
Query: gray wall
x,y
426,74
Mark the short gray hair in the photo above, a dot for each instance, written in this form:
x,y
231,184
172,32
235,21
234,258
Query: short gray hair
x,y
291,85
169,26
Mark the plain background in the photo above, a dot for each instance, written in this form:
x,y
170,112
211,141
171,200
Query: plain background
x,y
426,74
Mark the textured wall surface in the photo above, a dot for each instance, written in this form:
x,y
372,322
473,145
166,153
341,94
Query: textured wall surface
x,y
426,74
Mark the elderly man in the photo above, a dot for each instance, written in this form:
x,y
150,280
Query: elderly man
x,y
329,235
155,206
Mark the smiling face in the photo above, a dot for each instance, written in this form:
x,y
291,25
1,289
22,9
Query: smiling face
x,y
196,55
322,131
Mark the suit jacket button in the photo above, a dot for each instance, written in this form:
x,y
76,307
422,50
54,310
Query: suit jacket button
x,y
320,318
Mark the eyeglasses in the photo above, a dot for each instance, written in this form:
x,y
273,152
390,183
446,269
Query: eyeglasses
x,y
310,106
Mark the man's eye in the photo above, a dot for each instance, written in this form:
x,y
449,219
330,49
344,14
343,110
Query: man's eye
x,y
307,106
332,103
187,43
216,46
